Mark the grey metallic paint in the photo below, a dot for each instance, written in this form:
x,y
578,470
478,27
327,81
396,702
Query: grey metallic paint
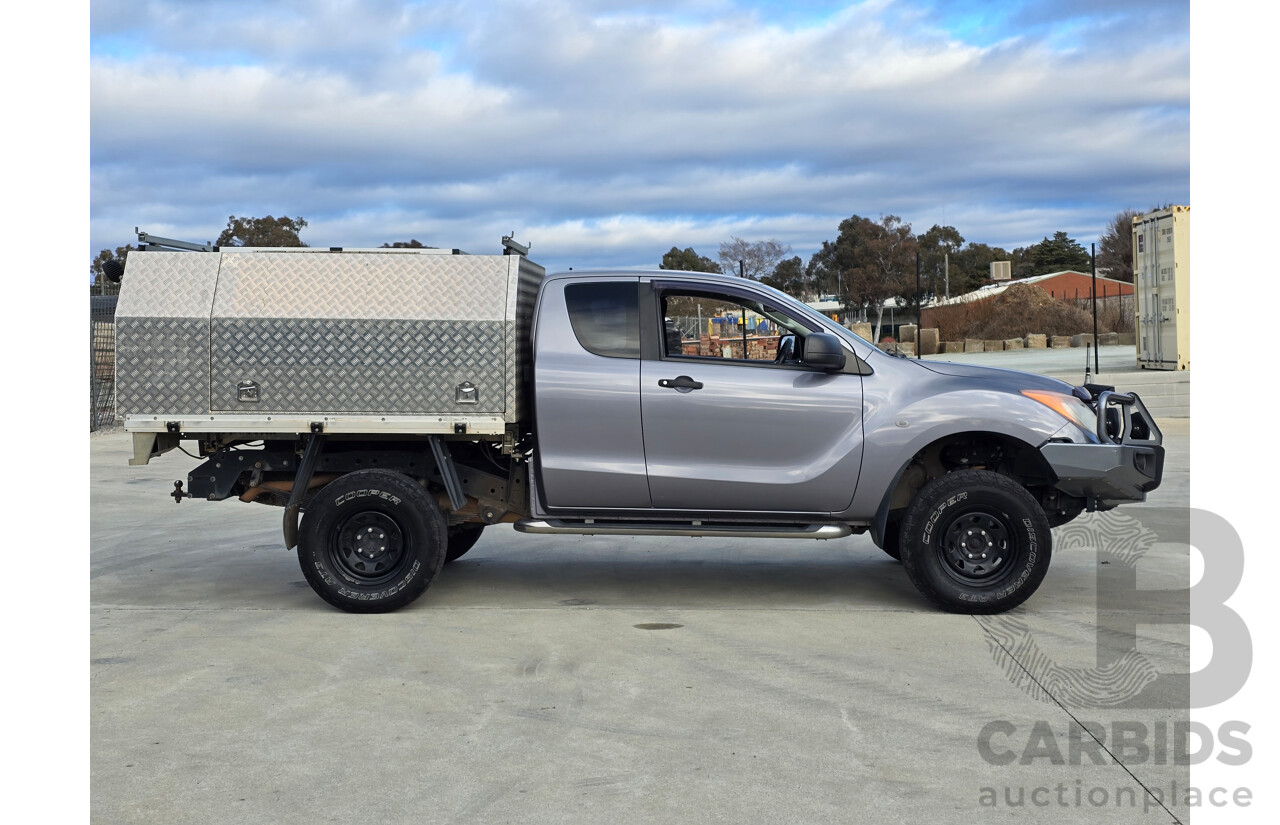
x,y
590,449
906,405
754,438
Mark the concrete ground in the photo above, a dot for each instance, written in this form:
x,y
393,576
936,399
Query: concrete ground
x,y
587,679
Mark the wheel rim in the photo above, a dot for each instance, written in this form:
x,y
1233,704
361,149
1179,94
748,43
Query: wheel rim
x,y
368,547
977,547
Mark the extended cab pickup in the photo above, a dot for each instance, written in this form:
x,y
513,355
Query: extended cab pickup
x,y
395,403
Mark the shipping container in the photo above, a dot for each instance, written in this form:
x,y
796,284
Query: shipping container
x,y
1162,278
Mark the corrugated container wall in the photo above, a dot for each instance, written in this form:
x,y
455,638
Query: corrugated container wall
x,y
1162,281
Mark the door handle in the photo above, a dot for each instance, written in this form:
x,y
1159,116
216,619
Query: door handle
x,y
682,383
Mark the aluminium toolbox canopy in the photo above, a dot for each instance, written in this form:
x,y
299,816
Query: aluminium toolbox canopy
x,y
277,340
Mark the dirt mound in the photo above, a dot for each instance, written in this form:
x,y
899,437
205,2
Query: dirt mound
x,y
1024,308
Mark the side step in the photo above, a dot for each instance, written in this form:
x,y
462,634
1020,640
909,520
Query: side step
x,y
752,531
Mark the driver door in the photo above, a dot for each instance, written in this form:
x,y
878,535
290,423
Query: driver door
x,y
728,429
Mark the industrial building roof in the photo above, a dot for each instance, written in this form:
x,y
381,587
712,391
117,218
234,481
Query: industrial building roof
x,y
993,289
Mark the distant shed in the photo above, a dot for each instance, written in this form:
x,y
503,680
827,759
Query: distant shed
x,y
1067,285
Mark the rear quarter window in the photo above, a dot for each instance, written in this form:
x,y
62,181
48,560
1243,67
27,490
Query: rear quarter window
x,y
606,317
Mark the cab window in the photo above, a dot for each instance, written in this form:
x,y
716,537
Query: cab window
x,y
606,317
698,324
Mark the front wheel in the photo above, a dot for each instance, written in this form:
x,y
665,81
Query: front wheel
x,y
372,541
975,541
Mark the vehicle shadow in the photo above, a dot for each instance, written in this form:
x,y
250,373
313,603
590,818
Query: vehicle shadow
x,y
625,572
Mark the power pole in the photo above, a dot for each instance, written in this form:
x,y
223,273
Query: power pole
x,y
919,314
1093,269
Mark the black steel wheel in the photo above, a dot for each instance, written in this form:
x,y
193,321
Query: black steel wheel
x,y
976,547
461,539
368,546
975,541
372,541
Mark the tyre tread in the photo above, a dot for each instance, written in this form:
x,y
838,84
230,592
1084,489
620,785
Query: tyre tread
x,y
923,504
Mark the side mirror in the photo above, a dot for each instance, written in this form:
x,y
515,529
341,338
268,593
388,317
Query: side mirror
x,y
822,351
786,349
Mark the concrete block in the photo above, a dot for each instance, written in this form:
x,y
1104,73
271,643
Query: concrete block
x,y
993,346
1108,339
1013,343
1079,340
1037,341
1059,342
862,331
953,346
929,340
1128,339
907,333
972,345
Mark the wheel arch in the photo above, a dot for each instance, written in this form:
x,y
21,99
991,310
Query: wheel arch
x,y
1007,454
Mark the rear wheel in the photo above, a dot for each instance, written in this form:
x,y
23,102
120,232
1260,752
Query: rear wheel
x,y
975,541
372,541
462,539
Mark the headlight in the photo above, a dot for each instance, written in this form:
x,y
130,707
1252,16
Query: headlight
x,y
1069,407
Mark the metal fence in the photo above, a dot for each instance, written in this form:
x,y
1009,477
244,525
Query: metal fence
x,y
102,361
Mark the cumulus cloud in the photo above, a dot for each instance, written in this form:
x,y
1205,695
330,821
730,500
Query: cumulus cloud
x,y
607,132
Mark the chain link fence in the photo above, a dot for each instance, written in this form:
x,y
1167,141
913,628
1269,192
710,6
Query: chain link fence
x,y
102,361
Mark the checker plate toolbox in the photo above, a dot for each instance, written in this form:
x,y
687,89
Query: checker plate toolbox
x,y
257,340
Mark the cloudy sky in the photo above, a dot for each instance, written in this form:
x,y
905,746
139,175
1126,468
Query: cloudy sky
x,y
605,131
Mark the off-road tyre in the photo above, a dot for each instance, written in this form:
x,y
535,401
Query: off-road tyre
x,y
462,539
372,541
974,541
